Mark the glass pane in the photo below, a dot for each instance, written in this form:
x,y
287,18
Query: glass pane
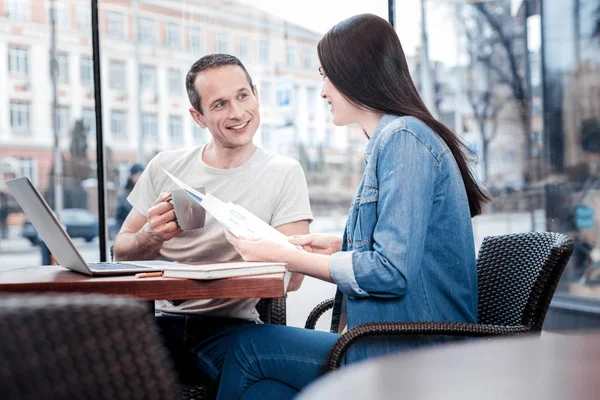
x,y
277,44
32,127
521,87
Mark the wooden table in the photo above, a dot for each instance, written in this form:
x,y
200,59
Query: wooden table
x,y
52,278
525,368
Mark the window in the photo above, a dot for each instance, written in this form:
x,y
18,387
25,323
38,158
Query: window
x,y
18,10
18,61
307,59
117,75
61,15
222,42
175,128
263,51
175,83
117,124
291,55
146,30
196,40
116,25
265,96
62,120
19,116
88,117
265,134
172,34
86,70
147,78
311,102
199,133
243,51
84,17
27,167
62,68
149,126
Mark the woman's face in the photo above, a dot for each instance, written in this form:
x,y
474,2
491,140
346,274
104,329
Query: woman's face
x,y
343,111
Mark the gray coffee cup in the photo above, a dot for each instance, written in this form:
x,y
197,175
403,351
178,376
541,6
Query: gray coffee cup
x,y
190,215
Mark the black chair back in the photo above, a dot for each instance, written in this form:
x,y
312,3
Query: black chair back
x,y
81,347
518,274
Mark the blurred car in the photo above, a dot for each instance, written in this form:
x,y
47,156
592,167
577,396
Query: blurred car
x,y
79,222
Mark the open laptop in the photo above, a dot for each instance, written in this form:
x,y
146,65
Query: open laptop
x,y
59,242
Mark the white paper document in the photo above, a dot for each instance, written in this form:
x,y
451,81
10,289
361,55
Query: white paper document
x,y
239,221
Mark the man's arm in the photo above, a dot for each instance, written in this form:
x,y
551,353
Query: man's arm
x,y
141,238
294,228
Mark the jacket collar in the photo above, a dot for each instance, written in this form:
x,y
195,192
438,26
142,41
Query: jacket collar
x,y
383,122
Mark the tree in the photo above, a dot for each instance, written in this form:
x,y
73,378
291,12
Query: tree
x,y
504,54
482,83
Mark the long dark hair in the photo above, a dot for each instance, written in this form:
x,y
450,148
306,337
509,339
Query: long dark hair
x,y
363,59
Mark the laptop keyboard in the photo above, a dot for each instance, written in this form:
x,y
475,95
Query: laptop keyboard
x,y
107,266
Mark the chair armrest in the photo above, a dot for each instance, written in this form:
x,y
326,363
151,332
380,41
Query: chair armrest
x,y
316,313
416,328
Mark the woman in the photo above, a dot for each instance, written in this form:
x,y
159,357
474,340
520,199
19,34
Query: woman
x,y
407,253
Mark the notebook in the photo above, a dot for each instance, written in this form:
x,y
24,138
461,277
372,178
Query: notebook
x,y
224,270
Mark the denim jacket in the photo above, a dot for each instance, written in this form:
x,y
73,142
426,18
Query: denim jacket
x,y
408,250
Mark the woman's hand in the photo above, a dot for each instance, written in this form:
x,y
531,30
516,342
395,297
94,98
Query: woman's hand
x,y
318,243
260,250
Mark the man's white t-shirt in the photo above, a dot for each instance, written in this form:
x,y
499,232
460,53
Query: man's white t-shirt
x,y
270,186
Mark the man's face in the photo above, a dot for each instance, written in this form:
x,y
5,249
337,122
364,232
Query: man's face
x,y
229,106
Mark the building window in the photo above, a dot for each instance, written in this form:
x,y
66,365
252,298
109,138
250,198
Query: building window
x,y
18,10
198,133
263,51
311,102
149,126
196,40
291,56
307,59
117,124
175,83
84,17
265,134
147,79
222,42
265,93
62,68
172,34
86,70
61,15
243,50
62,120
19,116
88,118
27,167
175,128
117,75
146,30
116,25
18,61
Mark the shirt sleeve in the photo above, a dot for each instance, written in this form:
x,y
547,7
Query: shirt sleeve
x,y
144,194
406,174
292,203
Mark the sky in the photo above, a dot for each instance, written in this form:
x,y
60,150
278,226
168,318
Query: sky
x,y
320,15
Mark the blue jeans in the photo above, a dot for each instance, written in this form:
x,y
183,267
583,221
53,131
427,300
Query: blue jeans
x,y
273,362
198,344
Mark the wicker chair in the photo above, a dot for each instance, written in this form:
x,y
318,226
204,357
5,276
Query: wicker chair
x,y
517,276
81,347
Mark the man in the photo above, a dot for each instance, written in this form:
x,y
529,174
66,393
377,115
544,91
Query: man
x,y
233,169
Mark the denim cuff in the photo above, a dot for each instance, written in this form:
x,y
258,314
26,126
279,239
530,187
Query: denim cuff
x,y
342,273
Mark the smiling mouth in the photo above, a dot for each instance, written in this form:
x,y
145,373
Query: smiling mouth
x,y
238,127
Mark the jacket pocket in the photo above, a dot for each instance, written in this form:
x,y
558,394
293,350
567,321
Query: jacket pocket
x,y
366,217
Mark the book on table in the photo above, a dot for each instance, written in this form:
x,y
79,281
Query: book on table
x,y
224,270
